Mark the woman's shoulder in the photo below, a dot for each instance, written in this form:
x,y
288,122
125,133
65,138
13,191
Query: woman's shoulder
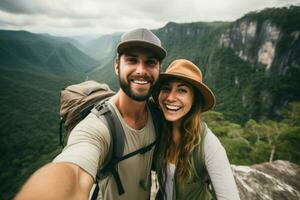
x,y
211,141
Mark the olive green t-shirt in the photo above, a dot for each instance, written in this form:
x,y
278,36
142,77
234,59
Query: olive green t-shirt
x,y
88,146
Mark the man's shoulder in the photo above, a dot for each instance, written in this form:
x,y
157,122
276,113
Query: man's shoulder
x,y
92,124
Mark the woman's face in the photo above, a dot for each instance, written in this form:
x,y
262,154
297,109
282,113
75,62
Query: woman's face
x,y
175,99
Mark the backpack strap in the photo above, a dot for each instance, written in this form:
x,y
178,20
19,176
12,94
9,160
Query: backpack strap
x,y
116,149
199,162
117,142
96,191
61,129
156,117
114,125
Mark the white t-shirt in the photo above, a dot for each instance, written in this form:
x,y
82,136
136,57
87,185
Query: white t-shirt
x,y
170,180
88,146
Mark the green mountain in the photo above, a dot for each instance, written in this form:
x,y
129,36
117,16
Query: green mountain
x,y
40,52
29,124
34,68
251,64
103,47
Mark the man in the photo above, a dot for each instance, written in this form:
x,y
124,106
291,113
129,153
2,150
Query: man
x,y
72,174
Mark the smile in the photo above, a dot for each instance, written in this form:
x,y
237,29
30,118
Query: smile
x,y
172,107
140,82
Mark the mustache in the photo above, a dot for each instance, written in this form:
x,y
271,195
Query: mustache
x,y
138,77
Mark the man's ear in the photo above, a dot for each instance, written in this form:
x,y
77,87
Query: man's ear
x,y
117,65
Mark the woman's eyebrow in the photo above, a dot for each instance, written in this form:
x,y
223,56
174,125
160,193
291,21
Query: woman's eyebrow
x,y
183,84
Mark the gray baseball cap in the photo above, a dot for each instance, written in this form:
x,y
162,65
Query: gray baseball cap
x,y
141,38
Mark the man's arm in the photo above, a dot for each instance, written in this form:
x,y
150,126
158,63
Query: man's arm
x,y
59,181
87,146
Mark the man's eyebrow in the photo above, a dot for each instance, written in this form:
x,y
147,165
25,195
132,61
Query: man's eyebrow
x,y
130,54
153,57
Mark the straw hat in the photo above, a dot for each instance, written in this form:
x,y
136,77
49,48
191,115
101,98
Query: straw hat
x,y
187,71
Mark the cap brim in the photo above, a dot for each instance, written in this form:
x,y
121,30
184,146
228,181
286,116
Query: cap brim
x,y
207,94
159,51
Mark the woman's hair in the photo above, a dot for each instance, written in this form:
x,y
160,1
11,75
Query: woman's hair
x,y
190,137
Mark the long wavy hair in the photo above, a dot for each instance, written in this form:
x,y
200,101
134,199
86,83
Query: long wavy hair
x,y
190,138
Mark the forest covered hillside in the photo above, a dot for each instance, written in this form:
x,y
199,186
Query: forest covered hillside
x,y
252,65
40,53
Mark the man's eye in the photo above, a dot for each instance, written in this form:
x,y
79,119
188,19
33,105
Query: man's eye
x,y
132,60
152,62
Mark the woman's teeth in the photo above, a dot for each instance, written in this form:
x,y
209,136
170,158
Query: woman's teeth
x,y
172,108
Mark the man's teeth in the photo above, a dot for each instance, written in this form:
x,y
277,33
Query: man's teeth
x,y
173,108
140,82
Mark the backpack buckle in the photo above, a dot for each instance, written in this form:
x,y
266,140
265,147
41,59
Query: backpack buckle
x,y
100,108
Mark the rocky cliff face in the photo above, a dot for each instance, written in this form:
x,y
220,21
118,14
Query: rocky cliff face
x,y
261,43
193,41
275,180
269,40
249,43
251,64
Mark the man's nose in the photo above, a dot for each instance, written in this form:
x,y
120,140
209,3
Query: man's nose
x,y
140,68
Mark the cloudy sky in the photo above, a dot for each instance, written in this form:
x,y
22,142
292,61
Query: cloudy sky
x,y
77,17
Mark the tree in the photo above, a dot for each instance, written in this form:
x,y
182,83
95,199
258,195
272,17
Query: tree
x,y
253,131
290,114
272,131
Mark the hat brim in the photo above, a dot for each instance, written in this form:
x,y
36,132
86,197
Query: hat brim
x,y
207,94
159,51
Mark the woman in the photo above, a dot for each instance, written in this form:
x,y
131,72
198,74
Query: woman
x,y
182,97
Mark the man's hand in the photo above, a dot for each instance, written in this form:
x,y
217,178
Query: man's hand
x,y
59,181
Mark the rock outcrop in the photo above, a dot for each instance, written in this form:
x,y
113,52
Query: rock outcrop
x,y
278,180
274,180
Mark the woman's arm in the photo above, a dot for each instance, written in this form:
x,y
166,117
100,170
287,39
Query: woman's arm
x,y
219,169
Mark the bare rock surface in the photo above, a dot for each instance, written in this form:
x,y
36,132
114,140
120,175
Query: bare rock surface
x,y
273,180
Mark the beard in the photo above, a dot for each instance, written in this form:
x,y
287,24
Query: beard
x,y
126,87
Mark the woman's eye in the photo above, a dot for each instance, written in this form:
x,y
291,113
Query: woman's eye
x,y
182,90
164,88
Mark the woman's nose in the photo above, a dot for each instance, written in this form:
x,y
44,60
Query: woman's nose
x,y
171,96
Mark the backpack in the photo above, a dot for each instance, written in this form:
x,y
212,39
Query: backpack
x,y
77,101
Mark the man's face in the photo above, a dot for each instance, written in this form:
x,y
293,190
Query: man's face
x,y
138,71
